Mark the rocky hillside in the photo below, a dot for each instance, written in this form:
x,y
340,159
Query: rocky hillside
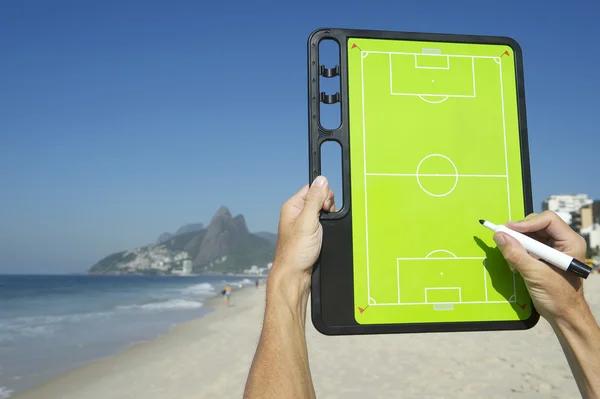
x,y
188,228
224,246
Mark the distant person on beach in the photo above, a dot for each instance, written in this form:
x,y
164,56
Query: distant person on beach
x,y
280,367
257,282
227,294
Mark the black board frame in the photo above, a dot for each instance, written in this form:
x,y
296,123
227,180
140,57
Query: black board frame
x,y
332,282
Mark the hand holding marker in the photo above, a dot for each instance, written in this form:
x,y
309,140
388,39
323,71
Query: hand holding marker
x,y
546,253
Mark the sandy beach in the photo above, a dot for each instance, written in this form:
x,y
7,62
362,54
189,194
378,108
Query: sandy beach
x,y
210,358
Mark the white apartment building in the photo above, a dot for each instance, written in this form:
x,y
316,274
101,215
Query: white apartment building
x,y
566,203
592,235
187,267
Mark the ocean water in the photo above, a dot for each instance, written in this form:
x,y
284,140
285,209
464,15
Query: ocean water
x,y
50,324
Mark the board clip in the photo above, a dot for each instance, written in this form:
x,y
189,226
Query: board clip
x,y
330,98
330,72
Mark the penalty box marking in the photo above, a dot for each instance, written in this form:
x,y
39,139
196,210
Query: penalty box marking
x,y
452,257
445,258
447,56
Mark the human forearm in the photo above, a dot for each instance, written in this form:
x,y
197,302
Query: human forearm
x,y
579,336
280,366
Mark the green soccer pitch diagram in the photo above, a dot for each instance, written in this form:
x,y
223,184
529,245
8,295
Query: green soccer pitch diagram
x,y
434,147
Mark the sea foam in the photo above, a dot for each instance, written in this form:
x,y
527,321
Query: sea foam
x,y
203,289
166,305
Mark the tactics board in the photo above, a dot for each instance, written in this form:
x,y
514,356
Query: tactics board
x,y
433,135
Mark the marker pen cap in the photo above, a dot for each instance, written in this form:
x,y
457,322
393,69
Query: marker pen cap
x,y
579,268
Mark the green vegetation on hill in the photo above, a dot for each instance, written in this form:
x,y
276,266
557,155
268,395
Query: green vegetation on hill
x,y
253,250
111,262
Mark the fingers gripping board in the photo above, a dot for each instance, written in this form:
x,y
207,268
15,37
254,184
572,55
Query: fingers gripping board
x,y
433,135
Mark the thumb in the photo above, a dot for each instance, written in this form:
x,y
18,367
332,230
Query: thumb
x,y
316,197
514,253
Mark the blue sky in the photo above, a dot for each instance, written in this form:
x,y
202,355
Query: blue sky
x,y
120,120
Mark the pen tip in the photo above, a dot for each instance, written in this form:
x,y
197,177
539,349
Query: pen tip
x,y
481,221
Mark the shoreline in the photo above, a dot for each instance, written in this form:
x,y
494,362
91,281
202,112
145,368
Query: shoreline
x,y
211,356
214,308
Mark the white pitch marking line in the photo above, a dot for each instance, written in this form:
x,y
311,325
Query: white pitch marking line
x,y
433,95
398,278
445,258
444,289
434,55
363,55
473,70
514,286
446,96
434,102
362,78
391,75
428,67
424,67
431,175
485,280
443,303
455,174
505,149
440,250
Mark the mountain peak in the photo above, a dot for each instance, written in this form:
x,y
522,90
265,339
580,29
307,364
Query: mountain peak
x,y
223,211
223,233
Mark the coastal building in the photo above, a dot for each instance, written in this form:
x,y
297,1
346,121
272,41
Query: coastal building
x,y
567,207
180,256
187,267
565,202
586,216
592,236
575,222
592,213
